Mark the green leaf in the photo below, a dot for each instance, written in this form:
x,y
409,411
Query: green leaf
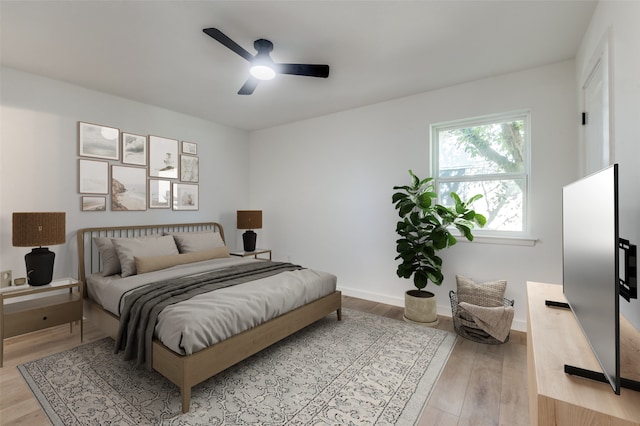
x,y
436,277
440,241
403,246
443,211
463,222
480,220
415,218
465,231
399,196
414,178
469,215
405,209
426,181
474,199
420,280
424,200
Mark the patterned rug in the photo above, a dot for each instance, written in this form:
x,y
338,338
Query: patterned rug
x,y
363,370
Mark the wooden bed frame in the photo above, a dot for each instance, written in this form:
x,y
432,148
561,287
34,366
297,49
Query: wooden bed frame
x,y
187,371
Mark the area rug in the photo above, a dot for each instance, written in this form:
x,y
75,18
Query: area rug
x,y
363,370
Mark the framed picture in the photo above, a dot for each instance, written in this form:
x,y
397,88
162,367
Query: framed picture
x,y
128,188
163,157
189,170
159,194
189,148
134,149
98,141
93,177
94,204
185,196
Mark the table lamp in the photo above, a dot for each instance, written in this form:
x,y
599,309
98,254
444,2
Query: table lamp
x,y
249,219
39,229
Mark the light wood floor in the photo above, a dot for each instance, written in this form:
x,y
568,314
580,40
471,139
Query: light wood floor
x,y
480,385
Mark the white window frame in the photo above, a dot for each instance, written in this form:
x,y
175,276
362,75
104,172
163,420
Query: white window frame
x,y
508,237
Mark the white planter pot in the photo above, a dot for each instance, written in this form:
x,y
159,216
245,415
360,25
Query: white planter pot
x,y
421,310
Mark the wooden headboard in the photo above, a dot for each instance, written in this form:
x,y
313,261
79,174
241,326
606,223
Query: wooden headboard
x,y
89,258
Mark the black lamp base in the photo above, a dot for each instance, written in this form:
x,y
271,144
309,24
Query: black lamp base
x,y
39,266
249,240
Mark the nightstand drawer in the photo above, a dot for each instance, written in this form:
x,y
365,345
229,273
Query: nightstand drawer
x,y
24,317
29,308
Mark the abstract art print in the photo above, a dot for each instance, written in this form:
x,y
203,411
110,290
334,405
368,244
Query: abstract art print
x,y
189,170
134,149
163,157
93,177
98,141
128,188
189,148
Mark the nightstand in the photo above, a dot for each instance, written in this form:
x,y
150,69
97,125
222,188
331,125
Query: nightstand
x,y
33,309
254,253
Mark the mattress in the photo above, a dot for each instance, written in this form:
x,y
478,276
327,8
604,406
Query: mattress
x,y
209,318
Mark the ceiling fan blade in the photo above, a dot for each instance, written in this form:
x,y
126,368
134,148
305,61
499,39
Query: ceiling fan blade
x,y
219,36
304,69
249,86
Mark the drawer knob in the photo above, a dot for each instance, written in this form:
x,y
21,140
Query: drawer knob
x,y
44,318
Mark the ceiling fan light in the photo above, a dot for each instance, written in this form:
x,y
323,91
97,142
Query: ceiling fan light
x,y
262,72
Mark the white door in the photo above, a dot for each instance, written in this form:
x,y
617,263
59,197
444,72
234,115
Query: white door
x,y
595,92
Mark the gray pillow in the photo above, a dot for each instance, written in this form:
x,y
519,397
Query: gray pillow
x,y
190,242
489,294
129,248
109,256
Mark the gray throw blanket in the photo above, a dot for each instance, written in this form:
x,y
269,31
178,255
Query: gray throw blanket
x,y
142,306
495,321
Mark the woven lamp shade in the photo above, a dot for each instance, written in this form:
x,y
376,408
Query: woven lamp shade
x,y
249,219
38,229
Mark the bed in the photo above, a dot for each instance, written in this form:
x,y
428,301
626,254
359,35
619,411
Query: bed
x,y
193,362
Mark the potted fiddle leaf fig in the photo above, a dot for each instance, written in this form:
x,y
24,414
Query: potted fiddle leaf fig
x,y
424,229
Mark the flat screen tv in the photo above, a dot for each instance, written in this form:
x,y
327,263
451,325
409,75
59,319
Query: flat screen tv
x,y
591,269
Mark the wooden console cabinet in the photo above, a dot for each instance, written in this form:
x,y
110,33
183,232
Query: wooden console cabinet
x,y
554,339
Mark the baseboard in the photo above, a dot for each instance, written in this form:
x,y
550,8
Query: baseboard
x,y
443,309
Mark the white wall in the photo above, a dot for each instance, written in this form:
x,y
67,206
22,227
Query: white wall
x,y
325,185
620,20
39,160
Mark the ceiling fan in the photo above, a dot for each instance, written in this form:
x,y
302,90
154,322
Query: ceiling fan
x,y
262,66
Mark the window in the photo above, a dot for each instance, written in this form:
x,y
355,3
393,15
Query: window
x,y
489,156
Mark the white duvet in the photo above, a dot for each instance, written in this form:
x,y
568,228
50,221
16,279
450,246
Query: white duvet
x,y
209,318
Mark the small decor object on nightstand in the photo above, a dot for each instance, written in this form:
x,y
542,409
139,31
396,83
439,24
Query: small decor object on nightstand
x,y
249,220
39,229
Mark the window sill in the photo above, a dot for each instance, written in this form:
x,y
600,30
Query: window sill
x,y
508,241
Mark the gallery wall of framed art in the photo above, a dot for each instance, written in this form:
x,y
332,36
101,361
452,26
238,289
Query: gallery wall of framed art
x,y
132,172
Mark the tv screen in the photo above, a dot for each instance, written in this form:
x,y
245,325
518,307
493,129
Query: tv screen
x,y
590,264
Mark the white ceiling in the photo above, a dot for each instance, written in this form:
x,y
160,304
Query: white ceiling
x,y
155,51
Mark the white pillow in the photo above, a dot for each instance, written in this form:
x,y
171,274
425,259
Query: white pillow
x,y
489,294
129,248
109,256
189,242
